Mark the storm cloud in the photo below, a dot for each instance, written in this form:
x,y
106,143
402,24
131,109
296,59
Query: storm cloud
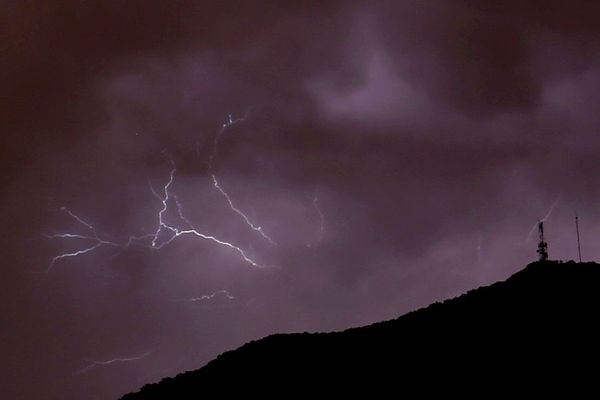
x,y
398,153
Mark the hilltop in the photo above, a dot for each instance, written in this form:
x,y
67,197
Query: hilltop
x,y
536,330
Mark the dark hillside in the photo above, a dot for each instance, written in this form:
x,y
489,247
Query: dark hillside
x,y
539,327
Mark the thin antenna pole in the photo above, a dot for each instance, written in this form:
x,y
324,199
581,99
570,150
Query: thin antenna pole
x,y
578,241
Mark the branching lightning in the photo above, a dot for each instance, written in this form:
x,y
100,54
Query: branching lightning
x,y
256,228
94,363
215,148
165,202
176,232
162,226
165,232
98,242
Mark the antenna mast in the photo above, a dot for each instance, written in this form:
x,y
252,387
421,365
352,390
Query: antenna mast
x,y
542,249
578,241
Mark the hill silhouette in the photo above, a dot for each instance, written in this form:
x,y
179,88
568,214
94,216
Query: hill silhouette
x,y
537,330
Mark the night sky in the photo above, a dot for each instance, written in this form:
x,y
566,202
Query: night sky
x,y
395,154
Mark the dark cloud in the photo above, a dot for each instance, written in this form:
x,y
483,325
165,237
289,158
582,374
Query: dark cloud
x,y
432,135
57,56
478,57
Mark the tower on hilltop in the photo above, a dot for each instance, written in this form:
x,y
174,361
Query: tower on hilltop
x,y
542,249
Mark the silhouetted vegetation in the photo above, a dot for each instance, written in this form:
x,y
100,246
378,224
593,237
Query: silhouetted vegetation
x,y
537,330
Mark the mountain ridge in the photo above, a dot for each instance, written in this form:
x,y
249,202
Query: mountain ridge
x,y
541,318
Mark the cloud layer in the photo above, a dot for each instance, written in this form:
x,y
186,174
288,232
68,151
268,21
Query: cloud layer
x,y
431,134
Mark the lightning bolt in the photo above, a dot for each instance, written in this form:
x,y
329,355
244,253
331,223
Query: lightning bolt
x,y
215,148
98,242
252,226
162,226
94,363
208,297
157,239
165,206
548,214
176,232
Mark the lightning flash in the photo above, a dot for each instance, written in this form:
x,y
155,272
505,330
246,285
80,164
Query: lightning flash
x,y
163,228
548,214
215,149
252,226
97,242
207,297
93,363
166,232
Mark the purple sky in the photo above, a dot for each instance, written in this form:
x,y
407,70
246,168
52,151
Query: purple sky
x,y
397,154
